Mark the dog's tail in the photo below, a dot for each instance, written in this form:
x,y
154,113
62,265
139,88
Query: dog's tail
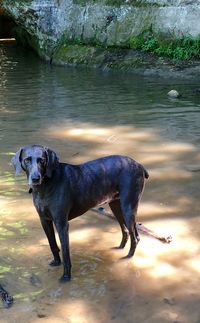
x,y
146,174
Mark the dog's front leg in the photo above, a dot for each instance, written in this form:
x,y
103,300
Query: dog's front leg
x,y
49,230
63,232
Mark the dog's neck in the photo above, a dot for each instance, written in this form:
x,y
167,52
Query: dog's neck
x,y
43,189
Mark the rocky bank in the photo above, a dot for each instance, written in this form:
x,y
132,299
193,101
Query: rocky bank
x,y
99,32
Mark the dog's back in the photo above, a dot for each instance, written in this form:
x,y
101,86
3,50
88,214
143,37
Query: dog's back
x,y
100,181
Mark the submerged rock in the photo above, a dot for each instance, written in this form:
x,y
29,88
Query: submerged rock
x,y
196,91
173,94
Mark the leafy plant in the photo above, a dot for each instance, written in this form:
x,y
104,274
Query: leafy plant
x,y
180,48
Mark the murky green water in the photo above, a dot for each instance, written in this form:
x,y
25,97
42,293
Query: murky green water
x,y
34,96
84,114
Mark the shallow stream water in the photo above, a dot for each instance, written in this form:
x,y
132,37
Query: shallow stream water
x,y
83,114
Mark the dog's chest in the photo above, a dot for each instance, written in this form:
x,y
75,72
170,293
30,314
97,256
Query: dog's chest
x,y
41,204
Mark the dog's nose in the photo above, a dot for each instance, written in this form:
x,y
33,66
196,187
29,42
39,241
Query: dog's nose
x,y
35,178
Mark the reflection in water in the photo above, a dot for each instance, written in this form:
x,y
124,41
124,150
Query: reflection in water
x,y
84,114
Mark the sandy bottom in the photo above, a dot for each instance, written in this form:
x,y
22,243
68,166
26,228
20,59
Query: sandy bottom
x,y
158,285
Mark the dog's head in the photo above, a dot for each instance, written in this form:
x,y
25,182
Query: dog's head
x,y
37,161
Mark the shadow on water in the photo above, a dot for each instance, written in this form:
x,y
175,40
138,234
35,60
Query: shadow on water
x,y
84,115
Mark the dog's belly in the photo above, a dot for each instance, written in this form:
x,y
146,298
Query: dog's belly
x,y
78,210
108,198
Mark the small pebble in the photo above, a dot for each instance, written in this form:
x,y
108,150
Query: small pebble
x,y
169,301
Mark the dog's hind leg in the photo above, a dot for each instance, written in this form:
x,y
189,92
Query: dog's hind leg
x,y
49,230
129,198
116,209
130,213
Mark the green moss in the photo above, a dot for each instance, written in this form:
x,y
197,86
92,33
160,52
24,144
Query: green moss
x,y
131,55
9,2
111,57
183,48
33,42
75,54
126,64
118,3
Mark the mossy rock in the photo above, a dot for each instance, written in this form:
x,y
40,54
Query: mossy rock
x,y
76,54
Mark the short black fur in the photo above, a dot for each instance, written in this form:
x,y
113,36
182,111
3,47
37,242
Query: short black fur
x,y
62,192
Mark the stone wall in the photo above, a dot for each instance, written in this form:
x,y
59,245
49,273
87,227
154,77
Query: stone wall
x,y
102,22
99,32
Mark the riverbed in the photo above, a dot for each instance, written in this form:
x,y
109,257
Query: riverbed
x,y
83,114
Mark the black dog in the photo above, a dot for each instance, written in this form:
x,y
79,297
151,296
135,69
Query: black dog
x,y
62,192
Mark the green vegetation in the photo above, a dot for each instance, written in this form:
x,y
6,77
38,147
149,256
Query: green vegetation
x,y
77,54
91,52
14,1
109,57
118,3
180,48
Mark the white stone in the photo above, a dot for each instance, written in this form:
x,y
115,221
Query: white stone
x,y
173,94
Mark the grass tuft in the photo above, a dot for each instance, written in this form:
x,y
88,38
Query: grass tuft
x,y
183,48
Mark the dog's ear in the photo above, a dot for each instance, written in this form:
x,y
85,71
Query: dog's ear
x,y
52,161
16,161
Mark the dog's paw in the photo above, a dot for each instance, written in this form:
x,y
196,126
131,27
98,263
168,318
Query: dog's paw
x,y
55,262
65,278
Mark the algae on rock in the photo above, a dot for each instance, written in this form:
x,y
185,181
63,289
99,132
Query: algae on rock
x,y
60,30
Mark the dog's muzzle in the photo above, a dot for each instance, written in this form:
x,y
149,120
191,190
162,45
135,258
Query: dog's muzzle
x,y
35,179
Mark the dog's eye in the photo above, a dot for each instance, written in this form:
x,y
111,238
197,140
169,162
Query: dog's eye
x,y
41,161
27,160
